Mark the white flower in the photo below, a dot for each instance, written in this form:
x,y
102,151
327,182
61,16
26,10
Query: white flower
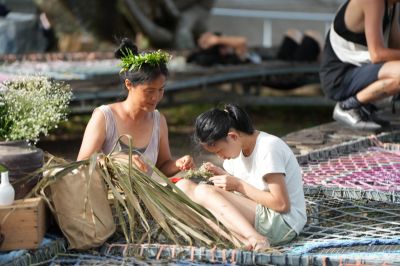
x,y
33,105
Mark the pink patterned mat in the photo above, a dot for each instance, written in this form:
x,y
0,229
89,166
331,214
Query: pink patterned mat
x,y
375,168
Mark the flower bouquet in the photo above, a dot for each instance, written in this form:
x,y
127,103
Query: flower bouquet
x,y
30,106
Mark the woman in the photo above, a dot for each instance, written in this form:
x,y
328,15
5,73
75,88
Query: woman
x,y
361,60
268,205
144,76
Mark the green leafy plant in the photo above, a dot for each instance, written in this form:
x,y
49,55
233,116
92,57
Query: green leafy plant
x,y
30,106
132,61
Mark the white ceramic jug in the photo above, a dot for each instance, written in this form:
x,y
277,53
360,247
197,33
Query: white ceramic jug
x,y
7,192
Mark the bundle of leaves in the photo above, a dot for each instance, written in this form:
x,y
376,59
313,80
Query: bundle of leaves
x,y
30,106
148,211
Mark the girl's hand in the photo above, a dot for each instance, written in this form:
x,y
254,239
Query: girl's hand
x,y
226,182
185,163
210,167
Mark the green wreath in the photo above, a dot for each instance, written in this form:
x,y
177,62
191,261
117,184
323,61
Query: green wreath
x,y
130,61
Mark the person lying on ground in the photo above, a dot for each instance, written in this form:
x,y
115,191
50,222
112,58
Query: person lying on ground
x,y
219,49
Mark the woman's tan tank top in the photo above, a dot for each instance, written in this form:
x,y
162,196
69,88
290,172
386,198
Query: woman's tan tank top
x,y
150,153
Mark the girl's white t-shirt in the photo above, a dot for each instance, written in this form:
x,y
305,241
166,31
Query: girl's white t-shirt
x,y
272,155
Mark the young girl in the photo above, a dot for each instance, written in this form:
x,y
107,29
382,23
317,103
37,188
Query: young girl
x,y
267,206
144,76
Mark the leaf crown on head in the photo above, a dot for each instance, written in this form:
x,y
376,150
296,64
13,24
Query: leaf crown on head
x,y
131,61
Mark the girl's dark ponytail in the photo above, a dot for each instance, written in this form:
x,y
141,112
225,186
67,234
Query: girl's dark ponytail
x,y
239,119
215,124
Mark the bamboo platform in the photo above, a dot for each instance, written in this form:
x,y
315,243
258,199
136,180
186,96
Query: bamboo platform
x,y
366,233
94,79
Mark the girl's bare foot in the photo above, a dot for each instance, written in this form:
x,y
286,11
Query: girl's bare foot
x,y
259,244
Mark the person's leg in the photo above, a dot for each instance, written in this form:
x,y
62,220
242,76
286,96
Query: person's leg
x,y
388,84
310,47
315,35
290,42
237,213
354,108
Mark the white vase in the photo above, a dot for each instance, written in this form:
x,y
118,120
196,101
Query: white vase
x,y
7,192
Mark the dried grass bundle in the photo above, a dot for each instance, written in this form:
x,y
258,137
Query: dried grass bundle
x,y
146,210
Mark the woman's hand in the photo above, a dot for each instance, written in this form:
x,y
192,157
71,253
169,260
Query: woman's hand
x,y
139,163
226,182
185,163
212,168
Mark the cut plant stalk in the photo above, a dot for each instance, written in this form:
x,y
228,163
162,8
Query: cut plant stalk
x,y
139,199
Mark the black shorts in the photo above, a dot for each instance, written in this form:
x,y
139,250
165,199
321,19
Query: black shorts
x,y
357,79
